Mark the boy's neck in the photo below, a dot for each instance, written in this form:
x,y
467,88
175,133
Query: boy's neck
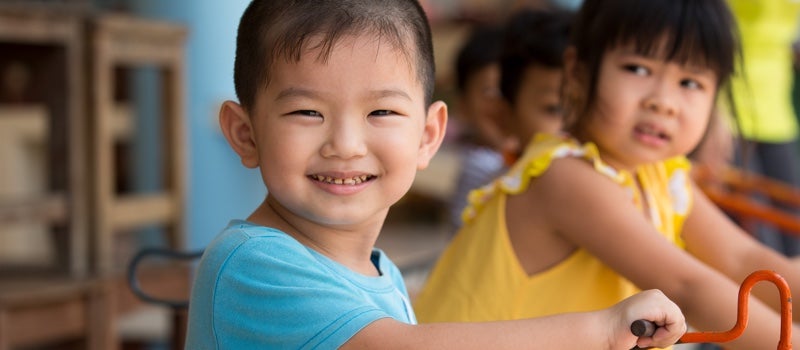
x,y
351,246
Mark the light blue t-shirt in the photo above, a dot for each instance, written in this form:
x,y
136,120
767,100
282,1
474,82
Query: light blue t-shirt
x,y
258,288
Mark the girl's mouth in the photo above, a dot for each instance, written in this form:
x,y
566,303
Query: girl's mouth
x,y
355,180
649,130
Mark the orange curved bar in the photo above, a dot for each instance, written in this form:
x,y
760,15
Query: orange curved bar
x,y
785,342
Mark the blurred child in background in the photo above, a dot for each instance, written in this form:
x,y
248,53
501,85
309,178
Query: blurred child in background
x,y
531,72
480,109
527,77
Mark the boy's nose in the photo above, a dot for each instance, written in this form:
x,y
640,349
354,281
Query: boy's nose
x,y
346,139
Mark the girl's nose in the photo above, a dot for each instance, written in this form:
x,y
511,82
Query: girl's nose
x,y
660,100
346,138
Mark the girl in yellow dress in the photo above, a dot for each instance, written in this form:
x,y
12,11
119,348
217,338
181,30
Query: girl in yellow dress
x,y
585,219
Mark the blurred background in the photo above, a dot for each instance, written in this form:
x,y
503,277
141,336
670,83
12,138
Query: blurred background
x,y
110,148
109,145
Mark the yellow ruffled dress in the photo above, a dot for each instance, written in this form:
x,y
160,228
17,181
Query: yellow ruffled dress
x,y
478,277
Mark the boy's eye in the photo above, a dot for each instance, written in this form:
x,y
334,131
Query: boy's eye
x,y
382,112
307,113
637,69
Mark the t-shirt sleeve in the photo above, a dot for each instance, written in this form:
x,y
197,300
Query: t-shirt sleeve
x,y
270,294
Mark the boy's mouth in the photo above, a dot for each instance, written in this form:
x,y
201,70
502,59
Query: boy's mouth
x,y
355,180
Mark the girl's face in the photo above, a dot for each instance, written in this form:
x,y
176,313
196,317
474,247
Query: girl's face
x,y
647,109
340,141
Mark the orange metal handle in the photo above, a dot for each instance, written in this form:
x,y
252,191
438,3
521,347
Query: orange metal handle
x,y
785,342
641,327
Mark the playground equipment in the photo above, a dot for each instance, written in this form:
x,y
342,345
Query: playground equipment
x,y
647,328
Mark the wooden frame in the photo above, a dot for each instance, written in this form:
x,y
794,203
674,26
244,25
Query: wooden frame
x,y
37,312
64,102
122,41
84,300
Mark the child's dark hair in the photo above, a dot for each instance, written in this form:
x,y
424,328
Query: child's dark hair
x,y
282,29
482,48
697,32
533,37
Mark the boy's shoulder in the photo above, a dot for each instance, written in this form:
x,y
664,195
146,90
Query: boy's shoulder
x,y
241,231
250,230
241,239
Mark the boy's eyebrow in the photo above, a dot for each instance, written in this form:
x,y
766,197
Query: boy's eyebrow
x,y
390,93
295,92
377,94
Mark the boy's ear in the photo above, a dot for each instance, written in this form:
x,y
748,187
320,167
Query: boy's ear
x,y
238,130
433,135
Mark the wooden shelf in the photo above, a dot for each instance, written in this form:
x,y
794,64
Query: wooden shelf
x,y
37,311
50,43
27,122
51,209
135,211
123,42
78,115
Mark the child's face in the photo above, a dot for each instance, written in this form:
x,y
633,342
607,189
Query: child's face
x,y
648,109
482,105
340,141
538,103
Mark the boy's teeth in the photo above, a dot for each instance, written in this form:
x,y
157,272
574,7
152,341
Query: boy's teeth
x,y
338,181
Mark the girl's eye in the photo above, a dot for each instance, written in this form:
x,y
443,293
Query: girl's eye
x,y
637,69
382,112
691,84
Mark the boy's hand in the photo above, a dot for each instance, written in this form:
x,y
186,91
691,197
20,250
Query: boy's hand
x,y
651,305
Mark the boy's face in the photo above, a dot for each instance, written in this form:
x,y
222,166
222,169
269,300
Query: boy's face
x,y
338,141
538,103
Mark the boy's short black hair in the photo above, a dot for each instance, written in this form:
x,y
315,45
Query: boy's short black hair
x,y
282,29
533,37
699,32
482,48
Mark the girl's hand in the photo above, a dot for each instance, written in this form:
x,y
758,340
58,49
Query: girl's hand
x,y
651,305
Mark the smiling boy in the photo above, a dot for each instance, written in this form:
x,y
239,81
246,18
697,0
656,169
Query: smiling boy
x,y
336,112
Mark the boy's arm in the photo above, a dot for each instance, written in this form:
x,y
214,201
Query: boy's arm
x,y
605,329
716,240
598,215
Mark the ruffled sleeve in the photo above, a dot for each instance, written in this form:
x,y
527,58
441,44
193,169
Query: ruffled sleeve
x,y
536,159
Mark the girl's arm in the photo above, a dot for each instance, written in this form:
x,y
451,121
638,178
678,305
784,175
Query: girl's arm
x,y
604,329
717,241
591,211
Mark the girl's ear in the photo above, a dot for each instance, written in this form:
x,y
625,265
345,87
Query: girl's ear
x,y
433,135
238,130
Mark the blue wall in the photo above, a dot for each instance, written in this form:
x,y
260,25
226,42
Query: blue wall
x,y
220,188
